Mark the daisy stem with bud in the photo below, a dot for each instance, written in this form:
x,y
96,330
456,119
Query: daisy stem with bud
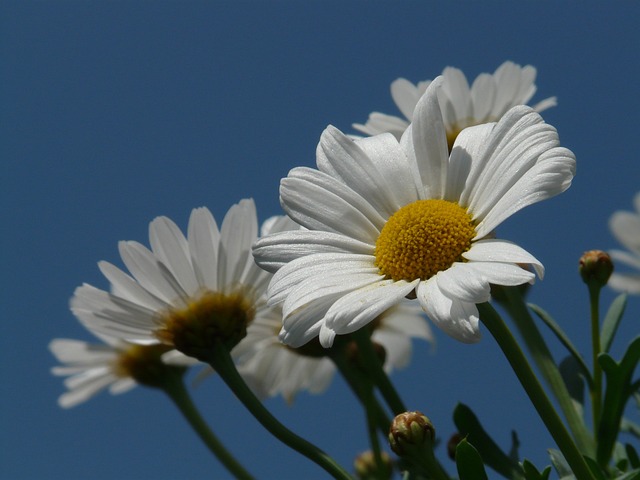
x,y
222,363
509,346
175,389
595,268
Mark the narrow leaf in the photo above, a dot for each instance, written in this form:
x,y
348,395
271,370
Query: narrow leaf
x,y
469,425
618,391
632,455
574,380
632,475
559,463
611,322
559,333
469,462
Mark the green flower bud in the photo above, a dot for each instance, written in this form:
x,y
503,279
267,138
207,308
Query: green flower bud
x,y
595,267
410,433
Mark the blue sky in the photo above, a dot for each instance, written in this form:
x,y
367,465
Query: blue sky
x,y
113,113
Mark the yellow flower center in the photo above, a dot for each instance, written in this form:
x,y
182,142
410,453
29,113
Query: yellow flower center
x,y
211,319
143,363
422,239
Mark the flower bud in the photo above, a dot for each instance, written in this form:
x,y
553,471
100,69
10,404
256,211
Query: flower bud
x,y
368,469
410,432
595,267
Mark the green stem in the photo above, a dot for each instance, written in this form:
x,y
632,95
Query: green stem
x,y
534,390
374,367
175,389
223,365
360,385
541,355
596,391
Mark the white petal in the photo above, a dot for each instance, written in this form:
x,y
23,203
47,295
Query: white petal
x,y
495,250
625,258
204,239
428,147
318,202
329,285
458,319
455,96
625,282
550,176
149,272
356,309
625,226
381,123
461,282
274,251
126,287
406,96
238,232
483,94
375,178
170,247
290,275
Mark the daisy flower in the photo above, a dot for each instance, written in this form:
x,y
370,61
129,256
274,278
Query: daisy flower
x,y
625,226
189,293
388,220
272,368
114,365
488,99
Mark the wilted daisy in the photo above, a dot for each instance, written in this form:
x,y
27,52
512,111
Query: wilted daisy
x,y
488,99
625,226
114,365
389,220
190,293
272,368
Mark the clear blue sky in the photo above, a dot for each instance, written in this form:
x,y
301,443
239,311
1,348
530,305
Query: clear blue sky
x,y
113,113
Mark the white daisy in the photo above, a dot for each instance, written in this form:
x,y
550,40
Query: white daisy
x,y
488,99
91,368
185,292
272,368
625,226
391,219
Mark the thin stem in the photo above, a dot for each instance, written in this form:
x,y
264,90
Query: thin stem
x,y
375,369
541,355
536,393
360,384
176,390
223,364
596,391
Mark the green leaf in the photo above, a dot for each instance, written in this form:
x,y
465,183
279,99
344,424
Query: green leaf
x,y
469,425
598,473
632,455
560,464
559,333
532,473
630,427
574,380
618,391
632,475
611,322
469,462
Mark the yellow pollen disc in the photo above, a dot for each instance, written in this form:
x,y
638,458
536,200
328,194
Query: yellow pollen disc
x,y
143,363
210,319
422,239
